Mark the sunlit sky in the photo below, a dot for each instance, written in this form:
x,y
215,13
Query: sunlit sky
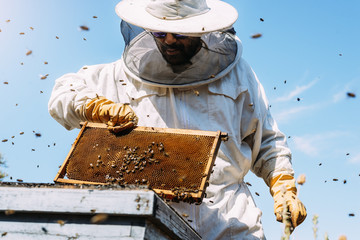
x,y
307,60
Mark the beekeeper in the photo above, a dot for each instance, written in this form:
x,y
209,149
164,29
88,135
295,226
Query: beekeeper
x,y
182,68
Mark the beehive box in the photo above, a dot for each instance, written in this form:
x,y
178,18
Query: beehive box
x,y
38,211
175,163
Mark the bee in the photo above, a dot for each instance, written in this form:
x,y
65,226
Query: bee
x,y
261,19
4,140
350,94
99,218
256,35
185,215
94,16
31,28
85,28
257,194
61,222
28,53
22,33
9,212
56,37
6,82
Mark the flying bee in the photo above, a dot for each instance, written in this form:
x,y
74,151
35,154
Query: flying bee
x,y
256,35
85,28
350,94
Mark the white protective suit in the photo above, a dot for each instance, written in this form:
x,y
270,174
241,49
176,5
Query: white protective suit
x,y
231,101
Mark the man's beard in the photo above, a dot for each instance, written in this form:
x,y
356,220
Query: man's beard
x,y
184,54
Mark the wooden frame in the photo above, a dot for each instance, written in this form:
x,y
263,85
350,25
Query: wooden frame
x,y
168,194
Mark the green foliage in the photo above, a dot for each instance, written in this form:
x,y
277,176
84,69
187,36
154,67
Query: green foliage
x,y
315,227
2,164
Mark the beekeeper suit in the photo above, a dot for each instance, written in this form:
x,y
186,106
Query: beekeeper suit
x,y
213,90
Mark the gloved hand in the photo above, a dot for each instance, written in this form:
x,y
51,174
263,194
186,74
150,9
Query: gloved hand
x,y
116,115
283,190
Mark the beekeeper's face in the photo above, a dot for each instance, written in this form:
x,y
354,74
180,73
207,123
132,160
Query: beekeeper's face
x,y
177,49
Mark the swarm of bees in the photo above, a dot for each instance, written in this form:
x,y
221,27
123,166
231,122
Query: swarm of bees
x,y
183,194
134,160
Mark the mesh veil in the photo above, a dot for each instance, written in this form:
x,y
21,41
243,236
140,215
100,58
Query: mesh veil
x,y
144,61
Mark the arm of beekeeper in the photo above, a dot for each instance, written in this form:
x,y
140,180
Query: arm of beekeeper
x,y
273,164
80,97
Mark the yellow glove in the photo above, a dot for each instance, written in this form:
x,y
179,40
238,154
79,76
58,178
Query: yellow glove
x,y
283,190
116,115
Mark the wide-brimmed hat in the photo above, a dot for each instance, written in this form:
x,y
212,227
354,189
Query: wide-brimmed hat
x,y
187,17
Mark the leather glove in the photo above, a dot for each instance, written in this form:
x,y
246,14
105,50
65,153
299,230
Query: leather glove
x,y
284,192
117,116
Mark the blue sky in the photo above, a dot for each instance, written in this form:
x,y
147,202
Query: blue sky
x,y
312,45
